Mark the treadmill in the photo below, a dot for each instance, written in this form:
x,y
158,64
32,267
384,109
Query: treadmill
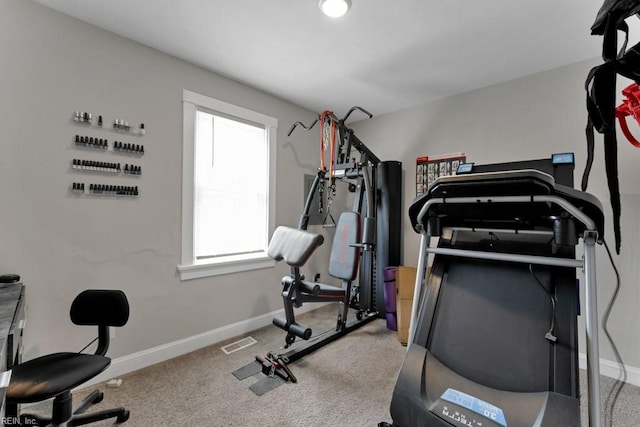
x,y
493,339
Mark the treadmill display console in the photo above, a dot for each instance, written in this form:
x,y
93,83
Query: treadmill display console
x,y
562,159
461,409
464,168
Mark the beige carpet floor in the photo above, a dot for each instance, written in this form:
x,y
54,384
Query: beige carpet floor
x,y
347,383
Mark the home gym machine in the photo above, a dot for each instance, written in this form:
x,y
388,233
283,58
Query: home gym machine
x,y
367,239
493,336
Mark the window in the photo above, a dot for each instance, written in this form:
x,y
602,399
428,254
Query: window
x,y
228,197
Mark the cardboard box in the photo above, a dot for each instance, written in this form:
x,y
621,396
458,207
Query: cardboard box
x,y
405,284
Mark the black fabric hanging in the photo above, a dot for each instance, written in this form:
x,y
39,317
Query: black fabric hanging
x,y
601,94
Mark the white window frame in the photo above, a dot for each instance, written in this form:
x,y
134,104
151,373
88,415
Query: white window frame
x,y
190,268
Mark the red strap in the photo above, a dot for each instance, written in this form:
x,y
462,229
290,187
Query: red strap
x,y
625,130
629,107
331,142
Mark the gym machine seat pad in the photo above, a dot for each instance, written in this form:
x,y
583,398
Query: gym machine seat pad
x,y
293,245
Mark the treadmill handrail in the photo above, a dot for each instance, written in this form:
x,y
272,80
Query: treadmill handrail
x,y
492,185
539,176
497,256
567,206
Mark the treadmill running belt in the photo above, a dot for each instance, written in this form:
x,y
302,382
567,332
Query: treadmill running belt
x,y
490,325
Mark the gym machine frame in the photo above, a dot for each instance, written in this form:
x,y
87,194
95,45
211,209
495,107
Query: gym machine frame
x,y
367,298
590,238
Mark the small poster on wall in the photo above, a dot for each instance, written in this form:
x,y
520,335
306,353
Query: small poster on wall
x,y
430,168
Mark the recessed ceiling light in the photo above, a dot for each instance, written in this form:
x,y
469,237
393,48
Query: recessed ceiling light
x,y
334,8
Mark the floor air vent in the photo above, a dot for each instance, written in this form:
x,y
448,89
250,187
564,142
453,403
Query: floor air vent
x,y
238,345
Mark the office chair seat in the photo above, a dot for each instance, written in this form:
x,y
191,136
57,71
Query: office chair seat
x,y
56,375
47,376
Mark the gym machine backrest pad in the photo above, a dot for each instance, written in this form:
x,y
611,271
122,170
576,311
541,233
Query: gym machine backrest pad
x,y
345,250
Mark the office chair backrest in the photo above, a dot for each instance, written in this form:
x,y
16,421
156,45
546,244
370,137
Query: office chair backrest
x,y
100,307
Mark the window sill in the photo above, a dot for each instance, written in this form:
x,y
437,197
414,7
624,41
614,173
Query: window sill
x,y
226,265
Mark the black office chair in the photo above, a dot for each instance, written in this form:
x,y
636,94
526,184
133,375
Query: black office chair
x,y
55,375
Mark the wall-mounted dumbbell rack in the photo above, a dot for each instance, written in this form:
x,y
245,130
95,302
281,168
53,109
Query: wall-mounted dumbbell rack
x,y
103,145
105,189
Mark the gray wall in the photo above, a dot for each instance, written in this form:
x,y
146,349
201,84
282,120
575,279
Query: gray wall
x,y
53,65
527,118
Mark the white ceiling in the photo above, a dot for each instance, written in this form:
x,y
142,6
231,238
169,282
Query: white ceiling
x,y
384,55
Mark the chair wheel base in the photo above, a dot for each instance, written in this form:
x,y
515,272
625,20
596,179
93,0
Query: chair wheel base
x,y
97,398
122,418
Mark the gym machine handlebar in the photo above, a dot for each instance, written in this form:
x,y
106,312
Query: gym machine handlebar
x,y
333,116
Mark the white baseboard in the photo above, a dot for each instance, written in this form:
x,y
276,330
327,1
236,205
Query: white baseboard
x,y
611,369
142,359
